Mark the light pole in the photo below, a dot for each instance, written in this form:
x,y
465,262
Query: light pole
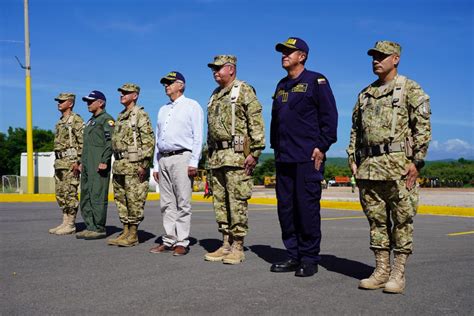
x,y
29,115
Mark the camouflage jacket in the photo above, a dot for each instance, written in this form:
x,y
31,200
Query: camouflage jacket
x,y
69,131
122,138
248,122
372,122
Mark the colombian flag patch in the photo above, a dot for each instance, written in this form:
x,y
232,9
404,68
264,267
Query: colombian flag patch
x,y
321,81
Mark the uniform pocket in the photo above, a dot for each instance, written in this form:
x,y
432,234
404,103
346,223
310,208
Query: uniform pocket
x,y
243,187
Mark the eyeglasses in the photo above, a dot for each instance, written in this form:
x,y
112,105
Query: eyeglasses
x,y
169,83
61,101
216,68
125,92
89,102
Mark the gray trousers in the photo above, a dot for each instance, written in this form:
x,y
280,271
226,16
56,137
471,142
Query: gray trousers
x,y
175,198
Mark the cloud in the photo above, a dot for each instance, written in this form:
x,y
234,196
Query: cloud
x,y
453,122
450,149
11,41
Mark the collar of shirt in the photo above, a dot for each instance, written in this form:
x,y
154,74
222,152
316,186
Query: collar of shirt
x,y
180,99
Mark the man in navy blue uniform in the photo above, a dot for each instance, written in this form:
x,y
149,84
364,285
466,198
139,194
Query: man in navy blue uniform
x,y
303,127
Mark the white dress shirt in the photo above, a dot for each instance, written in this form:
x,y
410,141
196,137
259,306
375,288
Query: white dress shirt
x,y
179,126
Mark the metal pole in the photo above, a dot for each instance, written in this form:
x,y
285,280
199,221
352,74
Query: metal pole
x,y
29,115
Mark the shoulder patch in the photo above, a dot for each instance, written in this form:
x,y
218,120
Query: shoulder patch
x,y
111,123
321,81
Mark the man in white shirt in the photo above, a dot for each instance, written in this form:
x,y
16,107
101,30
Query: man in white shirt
x,y
178,149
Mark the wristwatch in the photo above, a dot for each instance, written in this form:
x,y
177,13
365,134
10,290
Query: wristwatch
x,y
419,163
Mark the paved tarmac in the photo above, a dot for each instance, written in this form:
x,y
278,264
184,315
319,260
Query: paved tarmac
x,y
56,275
457,197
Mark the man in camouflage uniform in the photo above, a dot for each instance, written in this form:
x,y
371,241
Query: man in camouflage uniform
x,y
132,143
234,147
95,160
67,149
388,143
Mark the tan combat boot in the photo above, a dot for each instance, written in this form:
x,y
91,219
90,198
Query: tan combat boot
x,y
396,283
131,239
53,230
123,235
220,253
236,255
381,273
69,227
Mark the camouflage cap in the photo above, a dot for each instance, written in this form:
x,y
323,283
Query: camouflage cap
x,y
386,47
172,77
63,96
293,43
221,60
129,87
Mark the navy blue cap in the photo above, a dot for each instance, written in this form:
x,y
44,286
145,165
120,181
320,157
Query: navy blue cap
x,y
293,43
172,77
94,95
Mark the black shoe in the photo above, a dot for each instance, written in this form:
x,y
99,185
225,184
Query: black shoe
x,y
289,265
306,270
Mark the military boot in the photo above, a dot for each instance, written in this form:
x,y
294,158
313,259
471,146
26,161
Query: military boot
x,y
131,239
123,235
69,227
220,253
381,273
53,230
236,255
396,283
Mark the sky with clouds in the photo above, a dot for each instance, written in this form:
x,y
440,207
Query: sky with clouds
x,y
82,45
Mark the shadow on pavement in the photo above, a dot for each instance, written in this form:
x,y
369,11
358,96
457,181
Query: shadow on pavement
x,y
269,254
144,236
210,245
351,268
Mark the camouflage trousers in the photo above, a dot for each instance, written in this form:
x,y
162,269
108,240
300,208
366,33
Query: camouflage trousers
x,y
66,190
231,189
130,197
390,208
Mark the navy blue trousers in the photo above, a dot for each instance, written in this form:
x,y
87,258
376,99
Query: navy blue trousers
x,y
298,190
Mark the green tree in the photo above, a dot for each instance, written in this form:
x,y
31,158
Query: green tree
x,y
14,143
266,168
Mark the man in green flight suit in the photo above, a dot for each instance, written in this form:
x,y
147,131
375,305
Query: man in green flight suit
x,y
96,155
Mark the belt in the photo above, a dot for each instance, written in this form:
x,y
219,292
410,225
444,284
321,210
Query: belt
x,y
378,150
174,152
119,155
67,153
225,144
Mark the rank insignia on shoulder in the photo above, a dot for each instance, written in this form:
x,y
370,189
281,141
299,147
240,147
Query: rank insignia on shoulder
x,y
111,123
321,81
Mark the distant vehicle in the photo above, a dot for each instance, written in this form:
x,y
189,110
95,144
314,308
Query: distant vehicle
x,y
269,181
340,181
199,181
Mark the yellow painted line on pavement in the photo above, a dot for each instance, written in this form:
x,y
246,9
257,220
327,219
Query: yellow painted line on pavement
x,y
341,217
198,197
461,233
